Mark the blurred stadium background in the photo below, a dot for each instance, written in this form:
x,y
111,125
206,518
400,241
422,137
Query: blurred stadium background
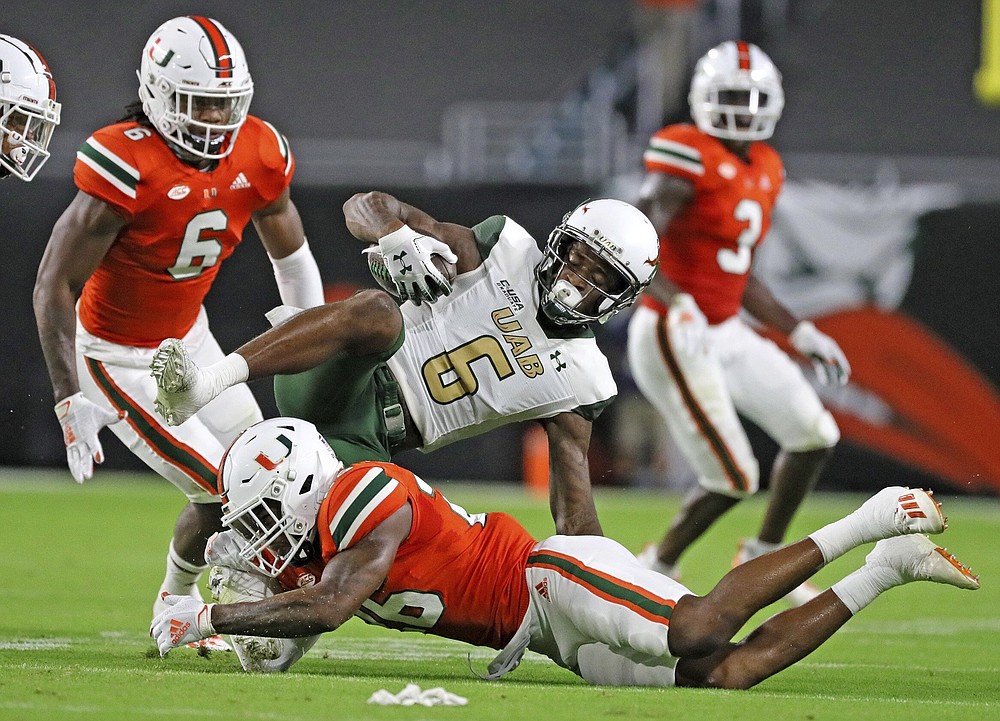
x,y
887,231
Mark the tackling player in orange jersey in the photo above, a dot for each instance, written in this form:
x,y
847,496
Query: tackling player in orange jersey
x,y
164,197
709,191
395,552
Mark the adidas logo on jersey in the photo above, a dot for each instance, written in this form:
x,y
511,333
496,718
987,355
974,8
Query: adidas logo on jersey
x,y
240,183
542,588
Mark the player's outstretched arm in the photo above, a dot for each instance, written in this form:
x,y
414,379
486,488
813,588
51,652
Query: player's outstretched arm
x,y
80,239
350,577
829,361
570,496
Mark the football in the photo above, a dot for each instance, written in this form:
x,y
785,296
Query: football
x,y
448,270
376,266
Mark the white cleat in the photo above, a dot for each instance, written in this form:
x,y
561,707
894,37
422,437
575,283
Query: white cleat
x,y
918,558
897,511
212,643
750,548
647,558
180,389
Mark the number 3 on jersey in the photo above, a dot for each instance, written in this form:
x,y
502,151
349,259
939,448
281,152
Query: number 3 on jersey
x,y
198,253
738,261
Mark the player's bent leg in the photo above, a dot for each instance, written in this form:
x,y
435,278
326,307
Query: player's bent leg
x,y
702,625
367,323
776,644
691,395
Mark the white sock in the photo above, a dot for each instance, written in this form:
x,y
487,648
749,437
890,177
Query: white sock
x,y
864,585
181,576
755,547
228,372
837,538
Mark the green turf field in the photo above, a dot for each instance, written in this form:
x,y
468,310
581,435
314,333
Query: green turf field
x,y
80,565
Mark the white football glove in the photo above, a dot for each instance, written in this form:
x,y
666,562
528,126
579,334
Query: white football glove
x,y
185,620
827,358
407,256
687,325
81,421
230,583
223,549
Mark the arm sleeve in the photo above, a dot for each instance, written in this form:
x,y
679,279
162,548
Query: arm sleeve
x,y
298,278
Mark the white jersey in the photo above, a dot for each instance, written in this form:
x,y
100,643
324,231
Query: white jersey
x,y
480,357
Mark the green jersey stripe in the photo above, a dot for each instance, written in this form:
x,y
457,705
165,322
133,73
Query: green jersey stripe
x,y
675,148
110,157
371,490
283,148
109,166
653,155
164,445
602,584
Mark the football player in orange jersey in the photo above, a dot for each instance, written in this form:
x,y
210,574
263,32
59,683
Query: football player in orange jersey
x,y
29,112
164,197
709,191
383,545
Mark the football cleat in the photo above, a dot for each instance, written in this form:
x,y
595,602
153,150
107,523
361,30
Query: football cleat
x,y
180,389
750,548
647,558
212,643
897,510
918,558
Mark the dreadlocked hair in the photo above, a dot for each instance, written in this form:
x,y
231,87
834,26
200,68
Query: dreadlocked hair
x,y
135,114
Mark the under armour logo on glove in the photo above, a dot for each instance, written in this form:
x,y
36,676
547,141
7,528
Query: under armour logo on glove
x,y
403,267
417,278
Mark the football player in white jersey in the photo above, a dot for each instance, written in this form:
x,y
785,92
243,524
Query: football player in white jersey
x,y
508,341
29,112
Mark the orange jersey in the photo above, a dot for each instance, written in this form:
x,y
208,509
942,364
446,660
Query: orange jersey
x,y
457,575
707,249
181,224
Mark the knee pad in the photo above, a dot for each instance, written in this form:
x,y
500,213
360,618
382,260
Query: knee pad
x,y
824,434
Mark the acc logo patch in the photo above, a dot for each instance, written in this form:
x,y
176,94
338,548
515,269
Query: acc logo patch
x,y
178,191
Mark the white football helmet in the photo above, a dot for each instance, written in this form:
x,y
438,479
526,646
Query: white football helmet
x,y
736,92
195,85
29,112
272,480
617,233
